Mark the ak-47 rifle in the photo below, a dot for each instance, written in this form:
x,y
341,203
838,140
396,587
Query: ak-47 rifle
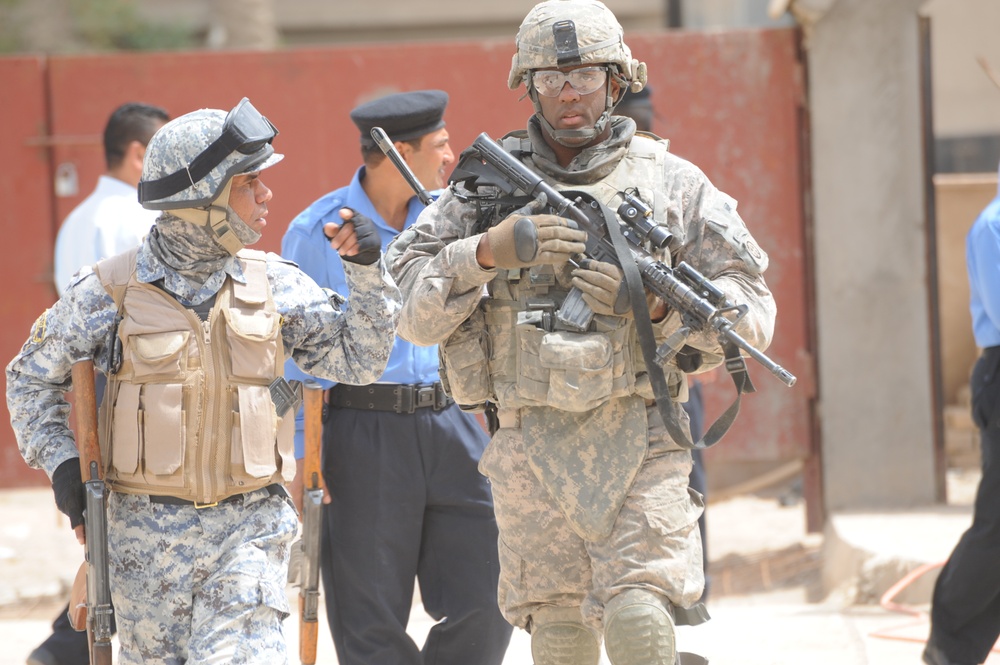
x,y
99,612
312,500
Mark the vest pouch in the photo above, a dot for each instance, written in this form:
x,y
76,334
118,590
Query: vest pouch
x,y
164,427
257,431
253,343
161,354
465,361
126,431
578,368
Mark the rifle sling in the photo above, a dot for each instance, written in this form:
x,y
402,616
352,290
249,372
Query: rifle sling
x,y
735,364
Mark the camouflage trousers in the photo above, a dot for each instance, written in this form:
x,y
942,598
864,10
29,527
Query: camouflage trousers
x,y
193,586
654,543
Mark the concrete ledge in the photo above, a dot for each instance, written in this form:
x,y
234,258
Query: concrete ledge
x,y
866,554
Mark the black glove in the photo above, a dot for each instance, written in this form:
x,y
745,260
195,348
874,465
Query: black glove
x,y
68,488
369,243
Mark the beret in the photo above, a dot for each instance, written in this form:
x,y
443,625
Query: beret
x,y
404,116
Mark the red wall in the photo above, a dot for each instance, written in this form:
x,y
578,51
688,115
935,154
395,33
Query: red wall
x,y
730,102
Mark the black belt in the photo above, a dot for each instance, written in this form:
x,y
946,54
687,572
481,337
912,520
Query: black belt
x,y
274,489
398,398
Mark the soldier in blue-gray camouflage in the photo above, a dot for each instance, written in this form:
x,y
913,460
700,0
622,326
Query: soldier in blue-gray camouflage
x,y
598,535
191,330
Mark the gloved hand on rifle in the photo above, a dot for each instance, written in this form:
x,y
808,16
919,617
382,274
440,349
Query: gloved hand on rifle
x,y
526,239
357,242
603,287
67,485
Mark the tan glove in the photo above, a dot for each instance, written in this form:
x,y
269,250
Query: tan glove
x,y
603,288
520,241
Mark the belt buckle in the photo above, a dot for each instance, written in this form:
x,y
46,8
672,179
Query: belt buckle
x,y
199,506
426,396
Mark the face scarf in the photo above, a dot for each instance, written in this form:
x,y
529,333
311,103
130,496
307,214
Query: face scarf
x,y
592,163
185,241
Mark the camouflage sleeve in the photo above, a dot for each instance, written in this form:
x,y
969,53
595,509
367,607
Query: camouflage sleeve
x,y
434,263
76,328
348,342
716,242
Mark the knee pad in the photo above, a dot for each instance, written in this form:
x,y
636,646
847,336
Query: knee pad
x,y
639,630
558,637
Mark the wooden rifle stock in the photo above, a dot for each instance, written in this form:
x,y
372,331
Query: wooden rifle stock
x,y
95,518
312,500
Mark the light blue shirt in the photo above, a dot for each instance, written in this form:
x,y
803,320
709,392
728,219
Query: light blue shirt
x,y
982,256
305,244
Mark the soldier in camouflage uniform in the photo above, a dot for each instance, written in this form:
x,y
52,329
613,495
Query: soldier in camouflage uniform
x,y
192,330
598,535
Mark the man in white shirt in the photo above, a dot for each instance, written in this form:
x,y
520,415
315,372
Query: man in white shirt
x,y
110,220
107,222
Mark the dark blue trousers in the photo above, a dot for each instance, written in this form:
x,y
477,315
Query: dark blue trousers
x,y
408,502
965,610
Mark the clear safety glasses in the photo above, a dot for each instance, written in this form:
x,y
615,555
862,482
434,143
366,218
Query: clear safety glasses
x,y
585,80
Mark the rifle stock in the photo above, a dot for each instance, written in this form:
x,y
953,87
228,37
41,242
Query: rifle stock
x,y
99,610
312,500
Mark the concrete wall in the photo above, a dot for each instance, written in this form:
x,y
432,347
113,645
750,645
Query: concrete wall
x,y
871,269
966,101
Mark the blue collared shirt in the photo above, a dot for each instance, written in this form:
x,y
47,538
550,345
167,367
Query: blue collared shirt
x,y
305,244
982,256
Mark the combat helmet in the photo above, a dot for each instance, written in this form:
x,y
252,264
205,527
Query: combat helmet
x,y
563,33
190,163
192,158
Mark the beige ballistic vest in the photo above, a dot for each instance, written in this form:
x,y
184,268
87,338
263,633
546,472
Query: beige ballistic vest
x,y
189,413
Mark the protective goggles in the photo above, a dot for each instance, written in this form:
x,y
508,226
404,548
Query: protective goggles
x,y
585,80
245,131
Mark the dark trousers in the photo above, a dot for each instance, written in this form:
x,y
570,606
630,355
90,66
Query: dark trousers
x,y
965,610
408,502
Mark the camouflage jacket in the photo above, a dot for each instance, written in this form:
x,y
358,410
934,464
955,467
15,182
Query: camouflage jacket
x,y
348,343
434,261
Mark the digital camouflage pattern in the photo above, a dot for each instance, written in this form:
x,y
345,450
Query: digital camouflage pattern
x,y
349,345
222,566
640,530
600,38
179,142
654,542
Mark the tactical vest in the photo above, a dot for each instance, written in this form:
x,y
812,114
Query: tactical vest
x,y
188,413
510,353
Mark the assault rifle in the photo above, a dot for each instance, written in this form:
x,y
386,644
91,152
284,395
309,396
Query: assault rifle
x,y
701,304
312,501
99,612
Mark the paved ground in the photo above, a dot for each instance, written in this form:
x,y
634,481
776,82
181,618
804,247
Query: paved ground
x,y
767,605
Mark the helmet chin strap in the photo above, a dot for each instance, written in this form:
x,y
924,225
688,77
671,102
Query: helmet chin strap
x,y
221,219
576,138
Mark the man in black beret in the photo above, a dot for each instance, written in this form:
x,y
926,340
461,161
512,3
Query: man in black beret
x,y
399,457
